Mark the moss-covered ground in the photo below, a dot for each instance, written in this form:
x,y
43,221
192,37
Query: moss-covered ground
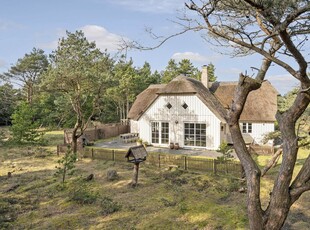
x,y
33,198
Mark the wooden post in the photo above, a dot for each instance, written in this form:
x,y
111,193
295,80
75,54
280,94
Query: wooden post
x,y
113,155
185,163
135,175
158,160
92,153
214,166
58,150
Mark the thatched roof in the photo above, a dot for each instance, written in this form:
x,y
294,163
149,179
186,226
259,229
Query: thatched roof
x,y
261,104
144,100
179,85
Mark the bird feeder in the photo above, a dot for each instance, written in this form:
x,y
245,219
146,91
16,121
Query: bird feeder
x,y
136,155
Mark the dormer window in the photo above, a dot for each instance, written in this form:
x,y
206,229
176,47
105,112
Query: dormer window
x,y
184,105
169,106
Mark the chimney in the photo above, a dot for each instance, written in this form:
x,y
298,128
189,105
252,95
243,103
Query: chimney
x,y
204,76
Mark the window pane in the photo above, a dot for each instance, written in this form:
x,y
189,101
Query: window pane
x,y
249,127
244,127
164,132
155,132
195,134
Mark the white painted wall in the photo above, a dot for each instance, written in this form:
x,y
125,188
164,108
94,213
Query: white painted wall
x,y
196,112
259,130
134,126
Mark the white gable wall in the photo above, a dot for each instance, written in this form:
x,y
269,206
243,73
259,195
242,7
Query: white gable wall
x,y
134,126
196,112
259,130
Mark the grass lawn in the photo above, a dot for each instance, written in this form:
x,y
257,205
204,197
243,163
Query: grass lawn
x,y
33,198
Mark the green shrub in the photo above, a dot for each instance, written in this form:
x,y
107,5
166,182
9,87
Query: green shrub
x,y
7,214
108,206
66,164
226,151
24,126
82,194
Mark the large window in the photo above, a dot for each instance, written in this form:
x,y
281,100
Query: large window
x,y
195,134
246,127
160,132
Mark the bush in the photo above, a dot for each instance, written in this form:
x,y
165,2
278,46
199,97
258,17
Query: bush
x,y
226,151
82,194
109,206
24,126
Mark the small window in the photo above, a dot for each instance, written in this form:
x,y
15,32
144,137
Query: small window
x,y
184,105
246,127
169,106
249,127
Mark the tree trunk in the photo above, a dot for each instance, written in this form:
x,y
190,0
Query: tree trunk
x,y
135,175
280,200
252,173
75,135
74,141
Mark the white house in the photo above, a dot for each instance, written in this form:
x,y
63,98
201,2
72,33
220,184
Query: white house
x,y
185,111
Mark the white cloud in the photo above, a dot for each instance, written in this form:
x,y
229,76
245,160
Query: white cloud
x,y
194,57
283,83
103,38
98,34
5,25
153,6
2,63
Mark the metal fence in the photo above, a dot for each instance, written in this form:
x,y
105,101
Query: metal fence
x,y
167,160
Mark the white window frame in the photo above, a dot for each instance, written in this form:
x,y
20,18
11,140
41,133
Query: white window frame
x,y
195,135
163,136
246,127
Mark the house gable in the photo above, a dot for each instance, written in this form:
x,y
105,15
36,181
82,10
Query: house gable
x,y
179,85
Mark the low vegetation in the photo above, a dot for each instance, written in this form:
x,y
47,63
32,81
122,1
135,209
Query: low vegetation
x,y
32,197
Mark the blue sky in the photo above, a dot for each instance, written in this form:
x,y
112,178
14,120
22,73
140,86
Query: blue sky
x,y
25,24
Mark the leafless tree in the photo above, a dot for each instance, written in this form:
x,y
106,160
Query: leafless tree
x,y
278,30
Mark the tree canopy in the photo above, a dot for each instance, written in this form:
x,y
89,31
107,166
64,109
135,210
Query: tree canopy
x,y
80,73
27,72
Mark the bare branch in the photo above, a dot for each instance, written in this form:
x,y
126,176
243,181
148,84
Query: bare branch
x,y
273,161
136,45
296,192
293,16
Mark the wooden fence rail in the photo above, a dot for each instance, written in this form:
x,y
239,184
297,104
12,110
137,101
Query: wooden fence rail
x,y
164,160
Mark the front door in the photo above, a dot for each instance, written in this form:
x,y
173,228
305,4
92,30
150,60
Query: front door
x,y
160,132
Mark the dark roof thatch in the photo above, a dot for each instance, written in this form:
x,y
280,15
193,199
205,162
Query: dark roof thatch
x,y
143,101
261,104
